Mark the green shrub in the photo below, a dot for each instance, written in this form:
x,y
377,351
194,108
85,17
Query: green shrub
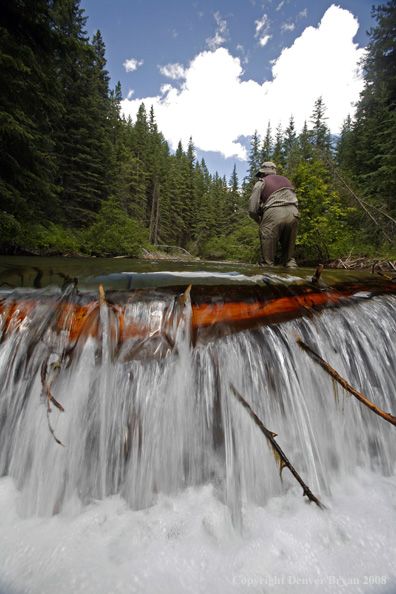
x,y
50,239
10,230
40,238
242,245
114,233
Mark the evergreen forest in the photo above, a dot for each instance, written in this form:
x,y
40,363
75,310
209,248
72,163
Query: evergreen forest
x,y
77,177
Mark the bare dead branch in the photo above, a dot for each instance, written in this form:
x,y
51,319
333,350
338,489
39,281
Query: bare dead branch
x,y
318,359
279,454
49,398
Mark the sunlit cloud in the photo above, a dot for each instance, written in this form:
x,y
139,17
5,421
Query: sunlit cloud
x,y
221,34
262,28
132,64
287,27
218,109
264,40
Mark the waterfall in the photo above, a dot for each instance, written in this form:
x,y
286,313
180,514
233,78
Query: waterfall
x,y
159,424
156,417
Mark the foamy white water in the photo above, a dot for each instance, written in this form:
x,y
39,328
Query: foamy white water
x,y
166,485
187,543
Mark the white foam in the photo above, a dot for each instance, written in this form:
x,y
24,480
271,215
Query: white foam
x,y
187,543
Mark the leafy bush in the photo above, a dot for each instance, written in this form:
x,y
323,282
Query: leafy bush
x,y
323,225
48,238
114,233
10,229
243,245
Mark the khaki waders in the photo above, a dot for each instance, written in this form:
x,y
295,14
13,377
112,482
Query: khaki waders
x,y
279,223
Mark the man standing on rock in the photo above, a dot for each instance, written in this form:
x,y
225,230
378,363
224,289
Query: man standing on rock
x,y
273,204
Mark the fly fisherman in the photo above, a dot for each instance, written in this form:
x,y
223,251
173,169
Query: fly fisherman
x,y
273,204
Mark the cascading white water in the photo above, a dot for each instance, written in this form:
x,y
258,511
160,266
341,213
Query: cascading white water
x,y
146,429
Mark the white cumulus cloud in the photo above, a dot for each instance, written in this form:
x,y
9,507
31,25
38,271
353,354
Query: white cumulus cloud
x,y
132,64
217,108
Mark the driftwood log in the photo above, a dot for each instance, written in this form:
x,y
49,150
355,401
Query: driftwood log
x,y
215,310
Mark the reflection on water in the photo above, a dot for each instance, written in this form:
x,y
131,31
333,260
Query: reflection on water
x,y
126,274
117,273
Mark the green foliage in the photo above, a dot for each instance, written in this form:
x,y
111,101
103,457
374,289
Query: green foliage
x,y
367,148
323,218
48,239
242,245
114,233
28,101
10,230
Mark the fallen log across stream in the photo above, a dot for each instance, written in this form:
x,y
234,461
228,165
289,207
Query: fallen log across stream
x,y
146,317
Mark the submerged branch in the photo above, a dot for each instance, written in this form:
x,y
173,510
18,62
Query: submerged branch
x,y
277,449
51,428
49,397
318,359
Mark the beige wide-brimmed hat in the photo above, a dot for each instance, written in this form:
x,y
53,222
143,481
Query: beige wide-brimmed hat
x,y
268,167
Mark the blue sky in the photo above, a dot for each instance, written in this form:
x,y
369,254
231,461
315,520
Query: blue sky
x,y
217,70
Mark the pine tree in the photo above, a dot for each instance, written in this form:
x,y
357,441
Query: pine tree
x,y
115,113
220,207
180,205
278,154
380,61
367,151
320,133
131,177
82,138
29,100
158,155
305,144
290,147
375,116
344,152
253,164
203,213
266,149
236,205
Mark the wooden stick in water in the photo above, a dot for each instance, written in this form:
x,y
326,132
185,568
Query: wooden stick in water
x,y
279,454
316,276
318,359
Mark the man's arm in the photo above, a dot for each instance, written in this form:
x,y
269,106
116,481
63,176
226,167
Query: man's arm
x,y
255,201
